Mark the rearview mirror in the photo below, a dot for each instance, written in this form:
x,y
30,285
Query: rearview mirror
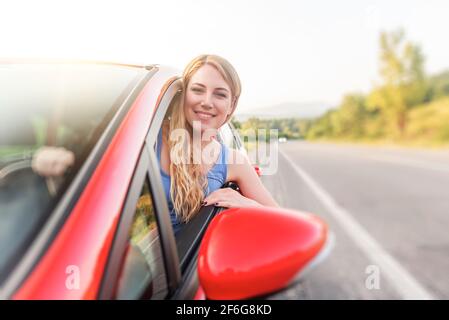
x,y
250,252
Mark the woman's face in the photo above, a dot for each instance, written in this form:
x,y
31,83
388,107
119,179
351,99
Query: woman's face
x,y
208,99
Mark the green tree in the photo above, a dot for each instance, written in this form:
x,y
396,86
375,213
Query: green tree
x,y
349,119
439,85
404,82
322,127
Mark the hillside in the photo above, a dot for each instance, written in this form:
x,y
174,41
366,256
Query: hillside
x,y
284,110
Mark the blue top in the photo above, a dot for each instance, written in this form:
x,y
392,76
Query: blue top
x,y
216,177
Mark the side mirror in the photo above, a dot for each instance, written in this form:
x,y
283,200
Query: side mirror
x,y
250,252
135,281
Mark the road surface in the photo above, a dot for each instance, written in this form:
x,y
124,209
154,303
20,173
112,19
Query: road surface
x,y
388,209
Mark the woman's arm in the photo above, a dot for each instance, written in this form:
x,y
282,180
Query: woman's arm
x,y
253,192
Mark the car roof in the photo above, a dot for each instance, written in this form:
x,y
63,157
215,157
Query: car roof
x,y
70,61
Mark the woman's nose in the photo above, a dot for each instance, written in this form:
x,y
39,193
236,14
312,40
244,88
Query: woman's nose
x,y
207,102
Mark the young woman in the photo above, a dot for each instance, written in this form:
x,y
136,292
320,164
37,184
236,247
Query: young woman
x,y
193,164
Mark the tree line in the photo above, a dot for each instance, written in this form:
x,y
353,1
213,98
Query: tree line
x,y
406,104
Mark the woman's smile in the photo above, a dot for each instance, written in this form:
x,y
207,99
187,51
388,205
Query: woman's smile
x,y
204,115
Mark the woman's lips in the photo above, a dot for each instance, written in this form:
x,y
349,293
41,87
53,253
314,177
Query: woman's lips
x,y
204,115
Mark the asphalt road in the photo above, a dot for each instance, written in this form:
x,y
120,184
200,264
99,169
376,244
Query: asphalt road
x,y
388,209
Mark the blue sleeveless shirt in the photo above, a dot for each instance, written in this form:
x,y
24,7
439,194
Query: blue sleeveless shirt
x,y
216,177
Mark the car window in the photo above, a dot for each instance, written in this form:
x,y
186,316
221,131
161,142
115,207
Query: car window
x,y
59,105
142,273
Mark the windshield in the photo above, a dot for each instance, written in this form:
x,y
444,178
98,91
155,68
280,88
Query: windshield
x,y
48,107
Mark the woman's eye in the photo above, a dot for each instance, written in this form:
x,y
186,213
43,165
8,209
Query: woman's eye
x,y
221,95
197,90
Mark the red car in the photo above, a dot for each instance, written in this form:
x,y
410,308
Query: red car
x,y
102,229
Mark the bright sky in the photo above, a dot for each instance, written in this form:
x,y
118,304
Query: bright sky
x,y
284,50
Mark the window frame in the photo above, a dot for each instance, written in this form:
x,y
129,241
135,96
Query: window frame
x,y
147,168
142,174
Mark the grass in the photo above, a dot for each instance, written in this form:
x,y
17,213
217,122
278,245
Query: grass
x,y
427,127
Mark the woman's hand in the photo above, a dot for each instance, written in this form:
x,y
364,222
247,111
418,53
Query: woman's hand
x,y
229,198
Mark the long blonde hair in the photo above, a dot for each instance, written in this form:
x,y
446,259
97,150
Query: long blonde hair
x,y
188,181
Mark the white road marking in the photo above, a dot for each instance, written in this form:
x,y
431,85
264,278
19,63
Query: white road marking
x,y
410,163
405,284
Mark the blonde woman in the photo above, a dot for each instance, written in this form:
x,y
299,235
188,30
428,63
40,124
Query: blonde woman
x,y
193,164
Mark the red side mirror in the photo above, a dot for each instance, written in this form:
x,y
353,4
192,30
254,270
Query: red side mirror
x,y
249,252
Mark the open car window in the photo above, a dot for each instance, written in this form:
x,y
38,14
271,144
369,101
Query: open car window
x,y
190,234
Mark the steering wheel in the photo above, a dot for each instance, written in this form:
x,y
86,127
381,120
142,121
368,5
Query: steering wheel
x,y
25,164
